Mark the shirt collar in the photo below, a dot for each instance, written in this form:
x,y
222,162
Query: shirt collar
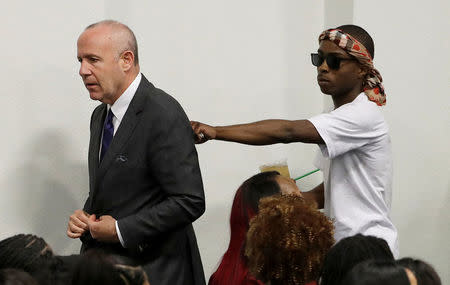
x,y
121,105
361,97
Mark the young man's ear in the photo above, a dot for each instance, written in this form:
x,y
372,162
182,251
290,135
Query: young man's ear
x,y
127,60
362,72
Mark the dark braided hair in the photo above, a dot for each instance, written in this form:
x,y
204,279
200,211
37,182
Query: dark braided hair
x,y
25,251
31,254
361,35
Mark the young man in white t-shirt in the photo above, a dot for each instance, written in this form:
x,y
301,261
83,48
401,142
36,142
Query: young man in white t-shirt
x,y
355,149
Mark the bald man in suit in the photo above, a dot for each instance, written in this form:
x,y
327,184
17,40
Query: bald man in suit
x,y
145,182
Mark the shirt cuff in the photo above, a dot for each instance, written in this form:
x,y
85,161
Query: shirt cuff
x,y
119,235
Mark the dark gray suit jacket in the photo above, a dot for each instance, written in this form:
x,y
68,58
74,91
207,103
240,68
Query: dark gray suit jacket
x,y
150,181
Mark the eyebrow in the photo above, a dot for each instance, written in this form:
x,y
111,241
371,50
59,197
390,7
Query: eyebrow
x,y
88,55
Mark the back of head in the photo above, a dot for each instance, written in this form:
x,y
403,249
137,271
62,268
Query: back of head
x,y
16,277
287,240
133,275
233,267
424,272
252,190
95,267
27,252
246,201
350,251
375,272
360,35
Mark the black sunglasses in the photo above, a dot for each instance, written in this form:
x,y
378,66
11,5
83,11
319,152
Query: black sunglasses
x,y
332,60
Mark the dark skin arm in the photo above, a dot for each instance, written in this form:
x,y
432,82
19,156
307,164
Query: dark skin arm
x,y
260,133
316,195
264,133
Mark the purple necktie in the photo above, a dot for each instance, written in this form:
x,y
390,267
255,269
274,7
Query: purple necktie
x,y
108,133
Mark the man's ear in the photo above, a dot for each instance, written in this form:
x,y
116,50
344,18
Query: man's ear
x,y
127,60
362,72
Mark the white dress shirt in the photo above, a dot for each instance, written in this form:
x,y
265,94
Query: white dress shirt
x,y
119,109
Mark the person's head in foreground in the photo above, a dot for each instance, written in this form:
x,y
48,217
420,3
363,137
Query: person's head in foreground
x,y
24,251
344,64
375,272
31,254
287,241
233,268
96,267
424,272
108,56
348,252
132,275
11,276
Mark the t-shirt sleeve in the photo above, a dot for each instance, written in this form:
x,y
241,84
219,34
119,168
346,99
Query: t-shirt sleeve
x,y
348,128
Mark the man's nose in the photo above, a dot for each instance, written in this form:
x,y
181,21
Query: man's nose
x,y
84,69
323,67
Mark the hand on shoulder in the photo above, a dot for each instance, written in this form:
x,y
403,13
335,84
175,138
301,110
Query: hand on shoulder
x,y
202,132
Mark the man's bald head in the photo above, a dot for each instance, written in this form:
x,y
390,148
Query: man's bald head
x,y
122,35
107,52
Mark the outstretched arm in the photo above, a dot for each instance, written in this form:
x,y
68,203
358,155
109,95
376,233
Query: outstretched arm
x,y
260,133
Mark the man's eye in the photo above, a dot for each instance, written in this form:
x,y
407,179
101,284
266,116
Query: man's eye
x,y
93,59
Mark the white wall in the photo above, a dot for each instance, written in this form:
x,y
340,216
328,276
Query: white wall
x,y
412,41
45,118
226,62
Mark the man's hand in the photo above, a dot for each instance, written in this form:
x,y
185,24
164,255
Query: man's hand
x,y
78,224
203,132
103,229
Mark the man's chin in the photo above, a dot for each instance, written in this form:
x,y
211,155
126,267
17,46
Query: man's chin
x,y
325,90
96,96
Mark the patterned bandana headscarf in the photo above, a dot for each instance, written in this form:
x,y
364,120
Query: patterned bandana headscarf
x,y
372,82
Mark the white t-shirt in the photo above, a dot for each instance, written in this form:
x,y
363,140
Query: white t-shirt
x,y
356,162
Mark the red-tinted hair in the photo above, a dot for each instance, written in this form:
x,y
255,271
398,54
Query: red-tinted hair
x,y
233,267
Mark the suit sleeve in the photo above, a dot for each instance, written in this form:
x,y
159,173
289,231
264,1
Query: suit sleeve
x,y
174,164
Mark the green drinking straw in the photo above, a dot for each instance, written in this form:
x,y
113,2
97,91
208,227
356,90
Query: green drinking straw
x,y
304,175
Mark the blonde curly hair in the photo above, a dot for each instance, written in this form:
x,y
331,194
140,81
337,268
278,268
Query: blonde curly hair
x,y
287,240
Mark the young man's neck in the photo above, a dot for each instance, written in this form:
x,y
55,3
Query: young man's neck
x,y
341,99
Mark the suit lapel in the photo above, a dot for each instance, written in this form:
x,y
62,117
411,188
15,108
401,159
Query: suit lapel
x,y
126,129
94,147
